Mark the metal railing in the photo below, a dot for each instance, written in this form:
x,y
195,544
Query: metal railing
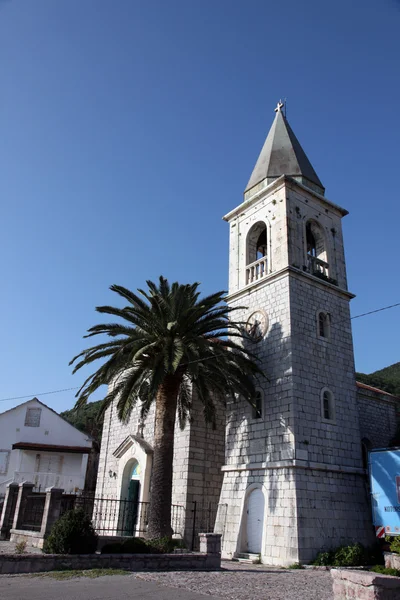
x,y
111,516
256,270
32,515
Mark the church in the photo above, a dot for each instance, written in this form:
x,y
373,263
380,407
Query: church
x,y
287,477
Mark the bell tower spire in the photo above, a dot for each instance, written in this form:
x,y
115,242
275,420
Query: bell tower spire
x,y
282,154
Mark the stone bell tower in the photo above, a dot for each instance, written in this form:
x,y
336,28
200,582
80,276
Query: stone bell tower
x,y
293,477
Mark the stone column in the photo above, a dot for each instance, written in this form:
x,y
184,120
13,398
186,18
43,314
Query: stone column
x,y
210,544
25,489
7,515
51,511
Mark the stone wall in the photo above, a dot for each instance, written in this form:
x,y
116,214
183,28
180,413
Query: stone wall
x,y
392,560
378,415
36,563
308,465
364,585
198,458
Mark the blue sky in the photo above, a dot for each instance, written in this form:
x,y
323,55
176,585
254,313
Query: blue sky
x,y
129,128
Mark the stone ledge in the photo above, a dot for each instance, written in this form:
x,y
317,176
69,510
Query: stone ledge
x,y
364,585
11,564
392,560
293,464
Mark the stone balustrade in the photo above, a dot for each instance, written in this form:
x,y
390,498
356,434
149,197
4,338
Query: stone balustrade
x,y
256,270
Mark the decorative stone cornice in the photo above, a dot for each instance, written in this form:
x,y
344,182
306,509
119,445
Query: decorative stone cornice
x,y
280,274
294,464
129,442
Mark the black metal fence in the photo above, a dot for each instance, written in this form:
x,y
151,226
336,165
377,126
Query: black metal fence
x,y
32,512
111,516
203,520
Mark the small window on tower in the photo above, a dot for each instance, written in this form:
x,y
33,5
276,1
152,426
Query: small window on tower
x,y
32,417
257,406
324,325
328,412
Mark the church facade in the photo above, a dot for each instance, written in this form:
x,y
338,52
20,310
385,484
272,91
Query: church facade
x,y
287,476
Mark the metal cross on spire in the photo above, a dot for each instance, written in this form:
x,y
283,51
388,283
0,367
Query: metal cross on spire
x,y
279,106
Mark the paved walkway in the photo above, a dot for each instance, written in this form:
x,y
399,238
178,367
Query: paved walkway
x,y
245,582
236,581
110,587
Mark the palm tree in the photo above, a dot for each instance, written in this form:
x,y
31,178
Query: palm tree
x,y
170,342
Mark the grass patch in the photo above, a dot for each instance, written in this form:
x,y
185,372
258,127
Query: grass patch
x,y
296,566
72,574
386,571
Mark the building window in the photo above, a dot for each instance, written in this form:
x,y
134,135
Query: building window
x,y
32,417
4,458
257,407
324,325
328,412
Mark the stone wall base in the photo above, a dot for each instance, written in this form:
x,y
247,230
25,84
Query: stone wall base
x,y
364,585
36,563
32,538
392,560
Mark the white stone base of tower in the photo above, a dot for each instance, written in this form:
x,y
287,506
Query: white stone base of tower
x,y
305,510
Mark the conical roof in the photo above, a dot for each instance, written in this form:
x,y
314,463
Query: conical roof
x,y
283,155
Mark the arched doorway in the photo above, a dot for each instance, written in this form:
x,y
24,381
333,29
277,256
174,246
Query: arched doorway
x,y
130,495
255,520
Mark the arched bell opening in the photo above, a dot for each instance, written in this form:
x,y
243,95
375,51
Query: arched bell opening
x,y
256,252
317,256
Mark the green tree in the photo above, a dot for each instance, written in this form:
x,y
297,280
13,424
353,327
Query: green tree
x,y
170,341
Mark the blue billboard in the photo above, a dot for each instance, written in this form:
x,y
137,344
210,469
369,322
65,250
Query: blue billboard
x,y
384,470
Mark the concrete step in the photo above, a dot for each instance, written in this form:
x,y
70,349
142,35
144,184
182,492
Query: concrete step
x,y
247,557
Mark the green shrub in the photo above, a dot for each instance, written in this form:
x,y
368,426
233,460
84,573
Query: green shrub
x,y
386,571
395,544
324,559
73,533
112,548
349,556
354,555
165,545
296,566
136,545
20,547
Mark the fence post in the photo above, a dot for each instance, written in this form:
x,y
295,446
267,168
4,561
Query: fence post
x,y
51,510
210,544
7,515
194,522
25,489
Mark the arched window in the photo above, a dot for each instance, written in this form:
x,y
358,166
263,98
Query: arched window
x,y
317,257
256,252
328,412
257,409
324,325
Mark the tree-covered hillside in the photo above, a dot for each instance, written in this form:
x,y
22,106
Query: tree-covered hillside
x,y
387,379
86,419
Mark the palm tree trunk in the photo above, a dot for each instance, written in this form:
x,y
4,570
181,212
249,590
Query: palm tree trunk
x,y
161,481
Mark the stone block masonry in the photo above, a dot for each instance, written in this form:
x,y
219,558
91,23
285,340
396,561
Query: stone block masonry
x,y
11,564
364,585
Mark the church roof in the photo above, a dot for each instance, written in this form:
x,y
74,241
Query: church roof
x,y
282,154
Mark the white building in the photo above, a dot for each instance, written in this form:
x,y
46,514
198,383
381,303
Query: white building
x,y
289,477
39,446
